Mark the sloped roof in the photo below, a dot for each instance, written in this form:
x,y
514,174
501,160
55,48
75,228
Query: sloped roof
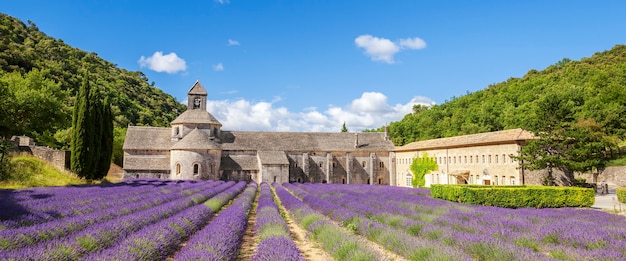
x,y
197,89
196,116
239,162
147,138
273,157
197,139
146,162
487,138
304,141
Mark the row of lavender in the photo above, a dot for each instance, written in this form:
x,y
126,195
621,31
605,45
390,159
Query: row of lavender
x,y
338,242
37,205
272,233
148,229
413,225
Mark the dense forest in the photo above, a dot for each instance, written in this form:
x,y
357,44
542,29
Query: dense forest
x,y
40,77
593,88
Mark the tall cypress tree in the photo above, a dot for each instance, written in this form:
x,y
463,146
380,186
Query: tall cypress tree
x,y
95,115
81,137
106,141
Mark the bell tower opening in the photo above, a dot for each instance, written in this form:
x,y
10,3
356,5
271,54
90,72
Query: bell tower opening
x,y
196,97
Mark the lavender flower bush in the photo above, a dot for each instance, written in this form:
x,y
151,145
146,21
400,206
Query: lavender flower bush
x,y
486,233
339,243
157,241
275,242
102,235
221,238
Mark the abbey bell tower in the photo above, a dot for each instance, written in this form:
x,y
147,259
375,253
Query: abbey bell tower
x,y
196,97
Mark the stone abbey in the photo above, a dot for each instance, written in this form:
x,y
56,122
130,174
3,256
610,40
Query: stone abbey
x,y
196,147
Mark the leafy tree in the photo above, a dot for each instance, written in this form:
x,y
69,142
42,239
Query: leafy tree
x,y
565,142
343,127
421,166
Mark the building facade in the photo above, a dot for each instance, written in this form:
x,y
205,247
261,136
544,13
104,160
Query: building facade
x,y
483,158
195,147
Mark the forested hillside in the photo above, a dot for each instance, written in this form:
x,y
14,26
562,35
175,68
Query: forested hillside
x,y
593,88
40,76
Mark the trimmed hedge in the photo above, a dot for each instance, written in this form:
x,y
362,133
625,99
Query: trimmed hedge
x,y
516,196
621,194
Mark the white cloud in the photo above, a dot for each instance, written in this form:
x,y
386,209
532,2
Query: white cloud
x,y
412,43
371,110
218,67
169,63
232,42
222,1
383,50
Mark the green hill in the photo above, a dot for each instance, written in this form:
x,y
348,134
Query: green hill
x,y
40,75
595,88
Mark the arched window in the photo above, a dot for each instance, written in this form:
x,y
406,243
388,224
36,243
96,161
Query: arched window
x,y
321,164
177,168
382,164
363,164
495,181
196,169
196,103
503,158
496,158
380,181
343,181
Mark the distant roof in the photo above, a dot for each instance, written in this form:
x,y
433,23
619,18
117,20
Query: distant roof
x,y
304,141
239,162
487,138
273,157
196,116
147,138
197,89
195,140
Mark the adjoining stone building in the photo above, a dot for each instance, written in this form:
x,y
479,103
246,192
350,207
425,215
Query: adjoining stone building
x,y
195,147
483,158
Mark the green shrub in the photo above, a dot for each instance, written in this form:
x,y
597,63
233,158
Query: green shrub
x,y
516,196
621,194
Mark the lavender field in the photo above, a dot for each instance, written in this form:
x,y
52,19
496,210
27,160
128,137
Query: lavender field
x,y
147,219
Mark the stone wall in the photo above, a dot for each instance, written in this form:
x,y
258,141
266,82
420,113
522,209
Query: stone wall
x,y
611,175
60,159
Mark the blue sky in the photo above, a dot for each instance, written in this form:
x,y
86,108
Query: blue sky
x,y
312,65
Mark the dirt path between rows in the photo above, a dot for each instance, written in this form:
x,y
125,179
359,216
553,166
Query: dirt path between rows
x,y
248,242
312,251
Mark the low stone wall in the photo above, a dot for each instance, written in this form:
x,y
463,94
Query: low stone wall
x,y
60,159
614,176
